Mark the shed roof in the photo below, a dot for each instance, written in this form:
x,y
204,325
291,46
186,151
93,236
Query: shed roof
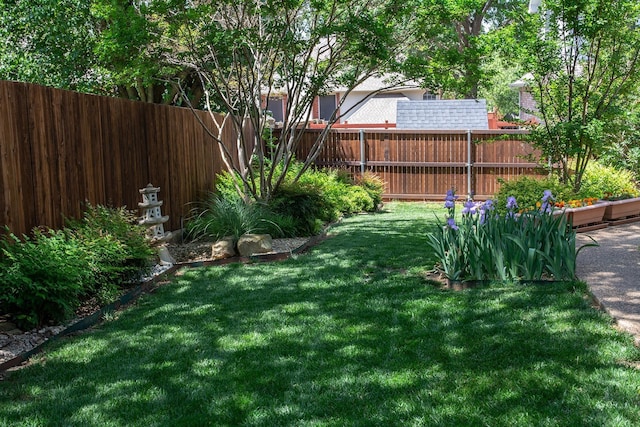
x,y
460,114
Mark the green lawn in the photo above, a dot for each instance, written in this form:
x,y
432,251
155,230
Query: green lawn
x,y
348,334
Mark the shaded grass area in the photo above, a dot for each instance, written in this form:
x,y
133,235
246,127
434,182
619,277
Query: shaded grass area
x,y
349,334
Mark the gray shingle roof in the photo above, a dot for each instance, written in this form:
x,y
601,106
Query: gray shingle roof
x,y
376,110
460,114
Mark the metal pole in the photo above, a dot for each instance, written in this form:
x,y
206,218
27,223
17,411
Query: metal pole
x,y
470,193
363,158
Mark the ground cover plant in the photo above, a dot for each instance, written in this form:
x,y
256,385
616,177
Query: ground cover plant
x,y
348,334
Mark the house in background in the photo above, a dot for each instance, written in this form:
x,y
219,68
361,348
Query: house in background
x,y
370,104
374,105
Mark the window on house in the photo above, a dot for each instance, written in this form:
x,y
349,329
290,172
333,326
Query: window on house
x,y
428,96
275,106
327,106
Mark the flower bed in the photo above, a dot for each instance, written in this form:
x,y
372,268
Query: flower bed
x,y
481,245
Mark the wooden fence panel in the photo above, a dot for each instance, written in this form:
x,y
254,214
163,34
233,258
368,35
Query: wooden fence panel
x,y
16,169
60,149
423,165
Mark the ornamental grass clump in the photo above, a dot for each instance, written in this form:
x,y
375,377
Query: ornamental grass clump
x,y
481,245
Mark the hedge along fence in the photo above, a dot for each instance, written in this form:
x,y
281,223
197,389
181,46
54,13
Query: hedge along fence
x,y
423,165
59,149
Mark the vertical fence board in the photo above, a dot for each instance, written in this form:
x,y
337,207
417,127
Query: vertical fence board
x,y
16,165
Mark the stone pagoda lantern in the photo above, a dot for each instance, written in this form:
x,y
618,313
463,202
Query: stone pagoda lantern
x,y
153,219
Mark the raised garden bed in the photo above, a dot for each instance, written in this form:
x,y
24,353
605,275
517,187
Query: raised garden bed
x,y
623,211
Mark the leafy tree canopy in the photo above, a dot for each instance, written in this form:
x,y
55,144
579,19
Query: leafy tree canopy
x,y
456,38
584,56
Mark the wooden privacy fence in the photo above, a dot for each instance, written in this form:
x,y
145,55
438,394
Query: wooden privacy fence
x,y
423,165
59,149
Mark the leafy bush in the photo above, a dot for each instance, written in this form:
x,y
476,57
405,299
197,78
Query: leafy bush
x,y
46,277
299,207
373,185
356,199
43,277
527,190
219,217
116,247
606,181
226,186
306,205
484,246
598,182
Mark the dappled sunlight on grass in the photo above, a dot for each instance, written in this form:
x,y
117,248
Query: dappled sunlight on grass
x,y
348,334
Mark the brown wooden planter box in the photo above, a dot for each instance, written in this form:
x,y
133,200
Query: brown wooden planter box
x,y
587,214
620,209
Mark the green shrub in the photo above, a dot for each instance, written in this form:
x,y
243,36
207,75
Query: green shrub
x,y
339,191
43,277
226,186
527,192
602,181
303,206
117,250
219,217
374,186
356,199
306,205
46,277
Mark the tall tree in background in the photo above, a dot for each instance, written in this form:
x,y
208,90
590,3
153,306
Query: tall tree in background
x,y
108,47
584,56
456,37
133,41
244,51
49,42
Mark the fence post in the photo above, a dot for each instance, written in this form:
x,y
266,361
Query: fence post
x,y
363,155
469,165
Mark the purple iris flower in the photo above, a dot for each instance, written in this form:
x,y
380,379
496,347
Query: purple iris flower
x,y
487,206
547,201
451,223
512,203
449,201
469,208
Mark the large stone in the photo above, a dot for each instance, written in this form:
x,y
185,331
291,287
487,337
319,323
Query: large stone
x,y
223,248
251,244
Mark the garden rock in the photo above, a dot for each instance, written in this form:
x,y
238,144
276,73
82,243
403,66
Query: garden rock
x,y
223,248
250,244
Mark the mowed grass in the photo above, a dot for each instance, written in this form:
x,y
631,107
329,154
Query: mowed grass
x,y
349,334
